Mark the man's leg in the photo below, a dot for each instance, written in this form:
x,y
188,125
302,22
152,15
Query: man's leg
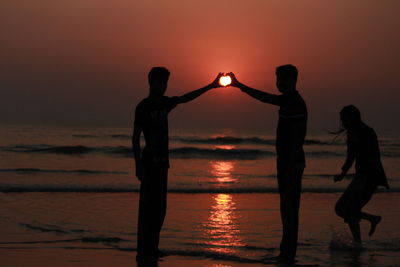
x,y
160,205
284,214
374,220
355,231
143,230
355,197
152,209
294,200
348,208
290,192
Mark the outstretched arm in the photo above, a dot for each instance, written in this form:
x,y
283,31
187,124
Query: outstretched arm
x,y
257,94
196,93
137,130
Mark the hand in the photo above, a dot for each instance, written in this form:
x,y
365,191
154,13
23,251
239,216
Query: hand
x,y
139,171
235,82
338,177
215,83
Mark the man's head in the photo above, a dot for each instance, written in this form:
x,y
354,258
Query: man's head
x,y
158,80
350,117
286,78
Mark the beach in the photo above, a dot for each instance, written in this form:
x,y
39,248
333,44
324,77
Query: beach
x,y
98,98
76,229
69,198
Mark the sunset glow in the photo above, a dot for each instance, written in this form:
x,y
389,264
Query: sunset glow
x,y
99,58
225,80
199,133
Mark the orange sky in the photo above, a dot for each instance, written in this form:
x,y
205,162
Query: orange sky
x,y
86,62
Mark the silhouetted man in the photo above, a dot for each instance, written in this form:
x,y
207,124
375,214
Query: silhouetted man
x,y
290,137
152,165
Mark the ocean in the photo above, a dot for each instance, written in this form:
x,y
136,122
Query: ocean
x,y
74,188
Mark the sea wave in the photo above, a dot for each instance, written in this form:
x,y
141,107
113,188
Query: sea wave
x,y
228,140
232,140
29,171
193,152
116,136
85,135
120,136
36,170
178,152
42,148
252,140
191,190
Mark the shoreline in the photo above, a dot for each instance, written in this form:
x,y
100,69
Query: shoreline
x,y
210,230
95,257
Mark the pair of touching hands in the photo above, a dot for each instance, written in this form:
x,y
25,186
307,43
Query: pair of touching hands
x,y
230,77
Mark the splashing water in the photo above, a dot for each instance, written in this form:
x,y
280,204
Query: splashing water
x,y
341,240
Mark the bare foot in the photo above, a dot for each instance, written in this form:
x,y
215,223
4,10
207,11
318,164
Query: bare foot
x,y
374,223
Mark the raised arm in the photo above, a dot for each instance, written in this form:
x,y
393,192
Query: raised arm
x,y
137,131
196,93
257,94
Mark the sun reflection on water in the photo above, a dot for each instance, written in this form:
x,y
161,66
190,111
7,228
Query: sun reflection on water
x,y
221,229
222,171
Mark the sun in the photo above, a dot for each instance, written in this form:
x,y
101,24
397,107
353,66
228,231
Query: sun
x,y
225,80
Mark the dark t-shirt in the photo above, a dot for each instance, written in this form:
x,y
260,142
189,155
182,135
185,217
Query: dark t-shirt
x,y
291,131
152,116
363,146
